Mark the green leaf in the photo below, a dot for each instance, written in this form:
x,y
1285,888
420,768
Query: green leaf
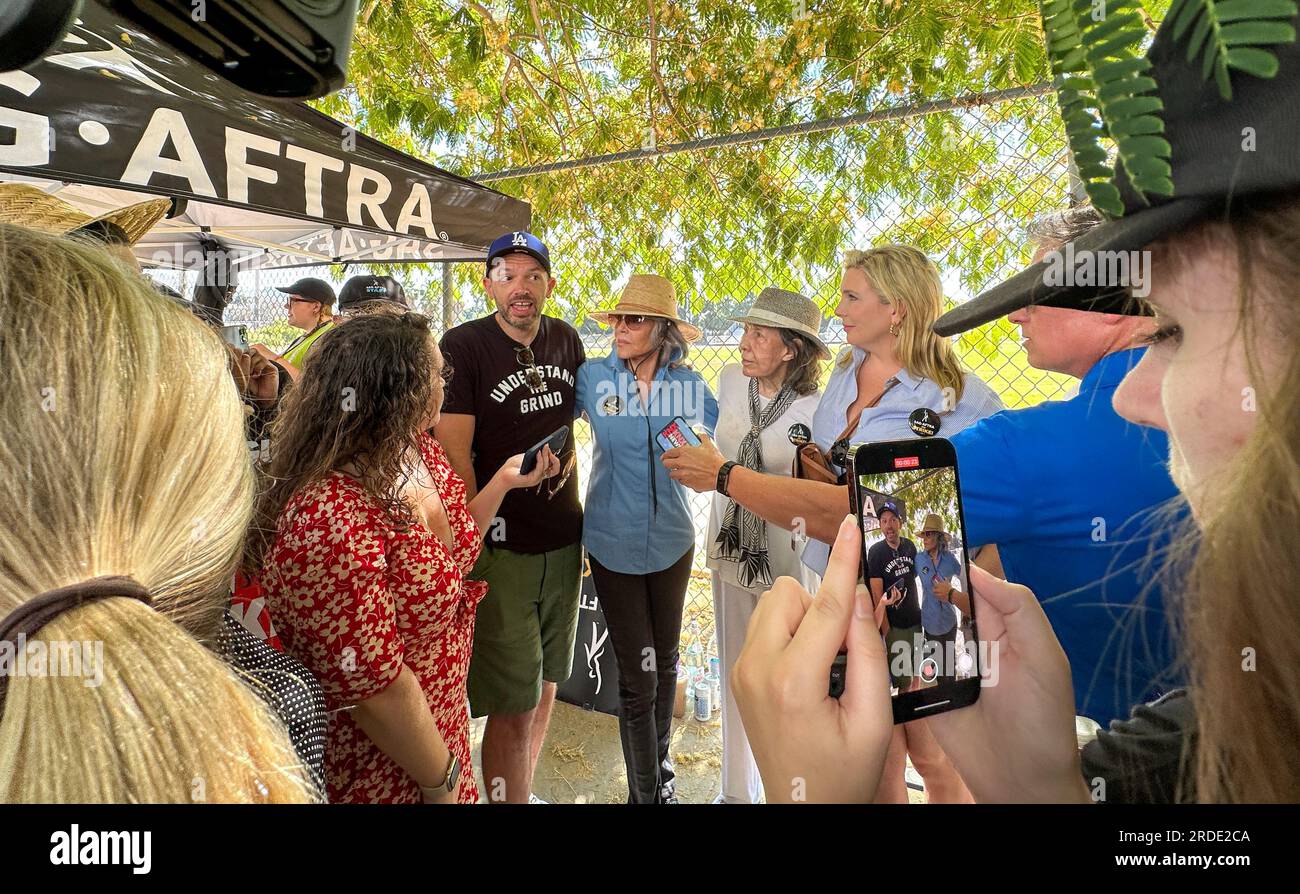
x,y
1236,10
1254,33
1121,68
1183,13
1126,87
1199,34
1132,107
1138,125
1255,62
1146,146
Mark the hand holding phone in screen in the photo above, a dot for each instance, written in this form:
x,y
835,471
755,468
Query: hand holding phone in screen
x,y
1017,742
808,745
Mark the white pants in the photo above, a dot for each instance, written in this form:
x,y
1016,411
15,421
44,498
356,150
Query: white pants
x,y
732,607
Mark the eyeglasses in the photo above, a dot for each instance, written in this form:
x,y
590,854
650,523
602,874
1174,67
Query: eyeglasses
x,y
631,320
532,375
556,483
296,300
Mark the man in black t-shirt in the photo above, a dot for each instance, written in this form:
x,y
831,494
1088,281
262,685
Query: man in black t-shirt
x,y
891,574
512,384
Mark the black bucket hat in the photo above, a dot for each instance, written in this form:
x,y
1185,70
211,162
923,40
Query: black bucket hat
x,y
1222,150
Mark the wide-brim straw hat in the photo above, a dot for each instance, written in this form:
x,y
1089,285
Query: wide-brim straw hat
x,y
649,295
933,523
783,309
30,206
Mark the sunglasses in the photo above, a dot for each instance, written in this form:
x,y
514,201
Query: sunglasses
x,y
627,319
532,375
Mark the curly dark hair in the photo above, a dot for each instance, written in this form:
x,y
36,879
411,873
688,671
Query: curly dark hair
x,y
364,398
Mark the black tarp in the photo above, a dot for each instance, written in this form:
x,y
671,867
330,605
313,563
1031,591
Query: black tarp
x,y
112,116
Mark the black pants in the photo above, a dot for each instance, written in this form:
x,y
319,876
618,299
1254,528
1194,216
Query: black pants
x,y
937,646
644,613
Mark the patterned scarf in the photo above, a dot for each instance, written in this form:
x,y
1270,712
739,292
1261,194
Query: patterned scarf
x,y
743,536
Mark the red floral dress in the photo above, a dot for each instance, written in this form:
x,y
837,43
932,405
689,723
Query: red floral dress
x,y
355,599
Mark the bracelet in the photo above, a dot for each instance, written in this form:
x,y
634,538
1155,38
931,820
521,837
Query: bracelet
x,y
724,473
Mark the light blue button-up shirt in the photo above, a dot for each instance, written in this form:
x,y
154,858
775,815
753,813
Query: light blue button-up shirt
x,y
636,519
937,615
888,420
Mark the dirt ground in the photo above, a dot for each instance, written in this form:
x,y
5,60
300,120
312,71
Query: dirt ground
x,y
582,759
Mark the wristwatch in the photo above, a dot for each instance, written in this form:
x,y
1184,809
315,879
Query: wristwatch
x,y
723,474
448,785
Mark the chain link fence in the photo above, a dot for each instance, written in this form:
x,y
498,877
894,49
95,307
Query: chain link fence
x,y
723,221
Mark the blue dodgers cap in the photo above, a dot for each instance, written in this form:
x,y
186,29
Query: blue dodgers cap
x,y
889,506
519,241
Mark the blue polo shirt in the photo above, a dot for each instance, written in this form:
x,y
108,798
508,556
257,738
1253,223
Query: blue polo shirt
x,y
636,519
937,616
1070,493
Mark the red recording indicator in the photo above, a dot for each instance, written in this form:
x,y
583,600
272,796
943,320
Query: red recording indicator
x,y
907,462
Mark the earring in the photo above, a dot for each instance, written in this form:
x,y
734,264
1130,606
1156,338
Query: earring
x,y
894,329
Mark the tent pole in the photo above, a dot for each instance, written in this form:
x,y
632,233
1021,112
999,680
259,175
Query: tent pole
x,y
447,315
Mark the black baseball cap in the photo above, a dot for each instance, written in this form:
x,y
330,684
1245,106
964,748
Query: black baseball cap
x,y
520,241
364,289
312,289
1222,150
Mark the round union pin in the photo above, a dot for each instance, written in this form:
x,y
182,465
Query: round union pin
x,y
800,434
612,406
925,422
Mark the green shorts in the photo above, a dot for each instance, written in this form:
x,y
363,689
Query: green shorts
x,y
903,649
525,628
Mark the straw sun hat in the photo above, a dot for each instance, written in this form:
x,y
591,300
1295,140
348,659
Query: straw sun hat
x,y
28,206
649,295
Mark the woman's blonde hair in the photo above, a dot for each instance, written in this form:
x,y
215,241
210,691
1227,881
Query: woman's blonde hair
x,y
905,277
122,453
1240,609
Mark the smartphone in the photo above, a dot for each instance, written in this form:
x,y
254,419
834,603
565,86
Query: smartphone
x,y
555,440
677,434
236,336
932,645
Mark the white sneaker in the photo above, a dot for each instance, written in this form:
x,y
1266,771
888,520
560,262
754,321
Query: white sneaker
x,y
533,799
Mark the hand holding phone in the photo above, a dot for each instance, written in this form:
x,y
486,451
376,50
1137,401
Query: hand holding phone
x,y
555,440
677,434
1017,743
800,735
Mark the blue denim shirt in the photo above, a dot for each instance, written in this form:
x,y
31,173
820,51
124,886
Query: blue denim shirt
x,y
937,616
888,420
636,519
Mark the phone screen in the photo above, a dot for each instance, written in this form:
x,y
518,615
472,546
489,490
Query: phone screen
x,y
677,434
914,561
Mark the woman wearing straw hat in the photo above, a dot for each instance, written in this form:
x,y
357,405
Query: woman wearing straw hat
x,y
638,532
765,408
116,230
942,604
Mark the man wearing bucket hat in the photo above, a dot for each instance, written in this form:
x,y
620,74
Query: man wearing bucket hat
x,y
1222,246
117,230
772,392
638,531
512,384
